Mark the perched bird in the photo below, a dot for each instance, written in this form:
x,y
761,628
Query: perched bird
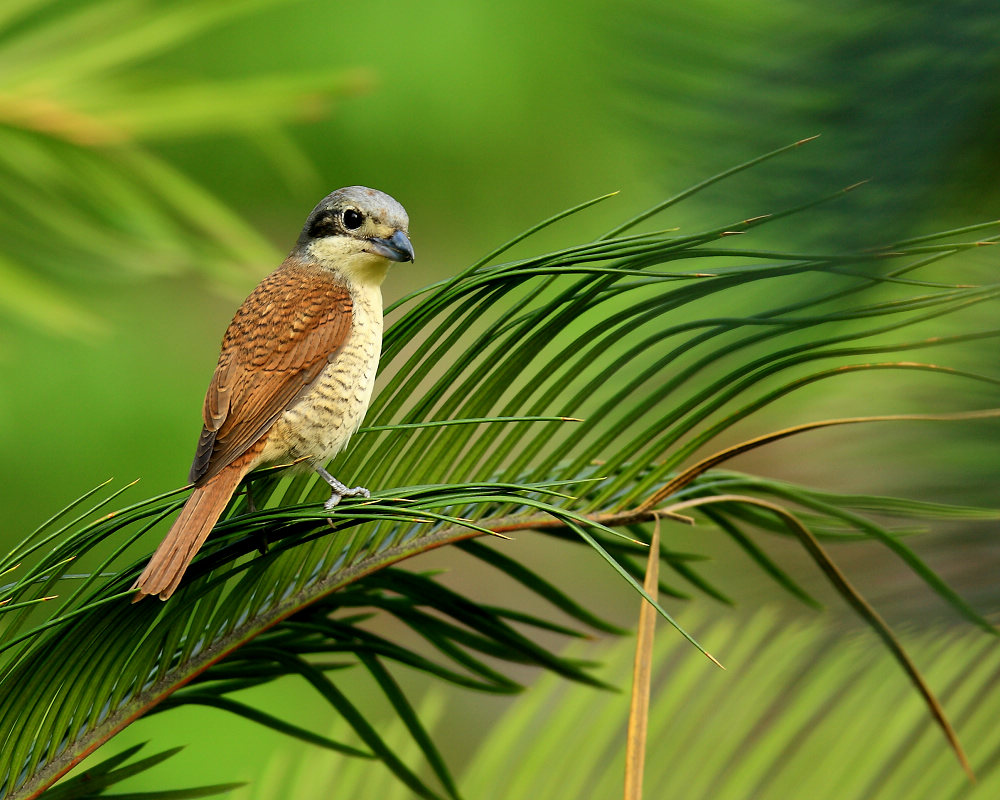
x,y
297,367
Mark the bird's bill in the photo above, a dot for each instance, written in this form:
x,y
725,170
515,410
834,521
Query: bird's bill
x,y
396,248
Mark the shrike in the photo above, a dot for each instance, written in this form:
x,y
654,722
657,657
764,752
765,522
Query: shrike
x,y
297,367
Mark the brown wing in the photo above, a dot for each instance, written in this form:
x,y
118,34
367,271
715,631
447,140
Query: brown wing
x,y
277,344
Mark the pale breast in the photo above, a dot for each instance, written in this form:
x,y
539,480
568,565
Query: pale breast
x,y
322,421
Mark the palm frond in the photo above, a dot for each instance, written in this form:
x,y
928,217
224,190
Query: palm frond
x,y
515,351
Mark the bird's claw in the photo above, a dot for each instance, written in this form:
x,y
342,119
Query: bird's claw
x,y
336,496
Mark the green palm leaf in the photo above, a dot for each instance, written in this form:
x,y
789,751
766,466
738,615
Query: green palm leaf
x,y
585,381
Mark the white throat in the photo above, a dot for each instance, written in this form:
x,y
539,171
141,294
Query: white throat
x,y
346,257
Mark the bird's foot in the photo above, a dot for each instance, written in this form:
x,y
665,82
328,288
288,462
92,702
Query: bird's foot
x,y
336,495
340,491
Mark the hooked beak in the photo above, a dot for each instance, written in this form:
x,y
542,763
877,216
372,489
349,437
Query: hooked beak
x,y
396,248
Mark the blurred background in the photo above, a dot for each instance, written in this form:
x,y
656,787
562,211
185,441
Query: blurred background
x,y
158,158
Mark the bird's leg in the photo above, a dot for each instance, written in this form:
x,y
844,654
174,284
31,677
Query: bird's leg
x,y
339,490
259,536
249,493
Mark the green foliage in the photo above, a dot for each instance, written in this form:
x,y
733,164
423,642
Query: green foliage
x,y
692,339
802,712
83,197
905,98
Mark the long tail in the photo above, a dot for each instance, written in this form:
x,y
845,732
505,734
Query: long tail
x,y
165,569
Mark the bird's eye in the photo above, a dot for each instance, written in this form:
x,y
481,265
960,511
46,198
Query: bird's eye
x,y
353,219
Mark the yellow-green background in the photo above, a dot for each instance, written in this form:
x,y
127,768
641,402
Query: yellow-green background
x,y
481,118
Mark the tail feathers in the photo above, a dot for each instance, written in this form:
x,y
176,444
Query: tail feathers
x,y
165,569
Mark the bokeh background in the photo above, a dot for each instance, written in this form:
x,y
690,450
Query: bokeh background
x,y
157,158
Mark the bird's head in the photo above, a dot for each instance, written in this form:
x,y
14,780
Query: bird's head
x,y
357,232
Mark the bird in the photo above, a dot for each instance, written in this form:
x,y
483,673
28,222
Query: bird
x,y
296,368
